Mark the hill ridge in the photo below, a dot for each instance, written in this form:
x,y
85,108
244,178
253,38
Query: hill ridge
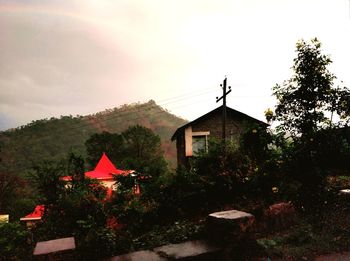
x,y
53,138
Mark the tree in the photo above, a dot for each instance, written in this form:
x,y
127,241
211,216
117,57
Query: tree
x,y
306,102
9,183
46,177
110,143
76,168
137,148
305,107
142,142
143,150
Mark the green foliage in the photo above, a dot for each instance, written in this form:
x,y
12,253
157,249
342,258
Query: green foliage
x,y
94,241
305,108
48,139
52,139
47,179
225,170
137,148
9,184
76,169
76,204
14,242
144,151
182,194
315,233
76,210
110,143
305,99
175,232
137,211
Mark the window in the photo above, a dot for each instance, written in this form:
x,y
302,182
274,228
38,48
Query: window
x,y
199,144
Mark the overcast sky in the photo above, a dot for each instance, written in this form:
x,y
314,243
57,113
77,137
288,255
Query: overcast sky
x,y
79,57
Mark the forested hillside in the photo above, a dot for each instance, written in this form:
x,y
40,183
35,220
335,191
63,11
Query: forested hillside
x,y
53,138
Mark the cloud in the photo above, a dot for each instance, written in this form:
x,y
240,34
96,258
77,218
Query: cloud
x,y
77,57
53,61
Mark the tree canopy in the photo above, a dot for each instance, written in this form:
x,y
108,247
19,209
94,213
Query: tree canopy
x,y
313,111
306,102
110,143
137,148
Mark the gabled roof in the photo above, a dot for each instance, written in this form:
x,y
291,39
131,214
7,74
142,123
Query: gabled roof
x,y
229,111
36,214
104,170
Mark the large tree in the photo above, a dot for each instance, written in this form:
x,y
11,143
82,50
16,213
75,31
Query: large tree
x,y
110,143
143,150
137,148
9,184
307,104
307,101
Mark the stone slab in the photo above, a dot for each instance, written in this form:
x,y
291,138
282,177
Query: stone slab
x,y
231,214
186,249
56,245
224,227
344,191
144,255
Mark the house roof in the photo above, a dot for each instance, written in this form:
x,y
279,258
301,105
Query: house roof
x,y
228,109
104,170
36,214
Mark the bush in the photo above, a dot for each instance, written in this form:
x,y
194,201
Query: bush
x,y
94,242
14,242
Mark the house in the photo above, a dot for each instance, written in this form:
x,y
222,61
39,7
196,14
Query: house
x,y
34,217
193,136
104,172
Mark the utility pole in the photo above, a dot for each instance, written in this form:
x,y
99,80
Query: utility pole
x,y
223,98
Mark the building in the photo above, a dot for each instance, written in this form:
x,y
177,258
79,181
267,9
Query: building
x,y
104,172
193,136
34,217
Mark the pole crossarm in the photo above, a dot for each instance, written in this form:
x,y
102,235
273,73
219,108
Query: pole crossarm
x,y
223,98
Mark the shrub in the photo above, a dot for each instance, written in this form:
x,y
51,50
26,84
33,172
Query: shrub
x,y
14,242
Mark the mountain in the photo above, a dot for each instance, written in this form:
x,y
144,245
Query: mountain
x,y
54,138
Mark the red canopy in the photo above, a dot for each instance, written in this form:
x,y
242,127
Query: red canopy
x,y
104,170
36,214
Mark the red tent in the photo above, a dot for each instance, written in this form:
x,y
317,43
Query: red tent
x,y
36,214
104,170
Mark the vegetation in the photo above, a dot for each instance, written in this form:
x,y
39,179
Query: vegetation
x,y
307,101
137,148
306,106
304,161
53,139
14,243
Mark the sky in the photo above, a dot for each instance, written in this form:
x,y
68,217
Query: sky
x,y
77,57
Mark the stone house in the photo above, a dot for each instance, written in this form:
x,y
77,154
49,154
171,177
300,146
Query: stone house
x,y
193,136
